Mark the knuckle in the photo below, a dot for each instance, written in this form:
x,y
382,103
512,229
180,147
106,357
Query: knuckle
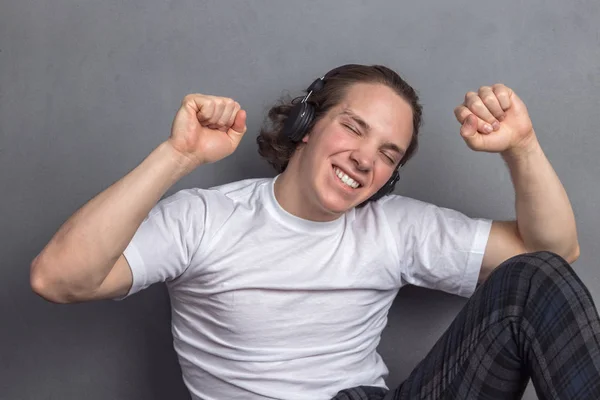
x,y
505,95
489,98
213,107
472,98
207,111
474,103
461,112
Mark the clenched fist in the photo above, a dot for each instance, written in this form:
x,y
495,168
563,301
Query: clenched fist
x,y
494,120
207,129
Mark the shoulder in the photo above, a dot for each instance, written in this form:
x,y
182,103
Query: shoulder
x,y
201,212
219,195
424,220
240,190
413,216
211,203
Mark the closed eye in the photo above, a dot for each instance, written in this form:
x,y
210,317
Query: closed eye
x,y
352,129
390,159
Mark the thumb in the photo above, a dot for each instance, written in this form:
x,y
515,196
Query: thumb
x,y
468,131
469,127
238,128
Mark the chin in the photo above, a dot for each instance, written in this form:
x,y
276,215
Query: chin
x,y
337,208
334,197
336,204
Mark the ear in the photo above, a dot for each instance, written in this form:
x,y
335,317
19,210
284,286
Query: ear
x,y
305,138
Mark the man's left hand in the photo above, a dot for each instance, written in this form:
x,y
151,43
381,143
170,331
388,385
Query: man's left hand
x,y
495,120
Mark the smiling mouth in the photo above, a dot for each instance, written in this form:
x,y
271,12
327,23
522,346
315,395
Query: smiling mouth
x,y
345,179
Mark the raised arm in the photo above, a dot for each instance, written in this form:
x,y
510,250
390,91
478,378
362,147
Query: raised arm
x,y
496,120
84,260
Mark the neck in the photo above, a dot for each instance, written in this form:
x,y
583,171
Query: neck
x,y
297,200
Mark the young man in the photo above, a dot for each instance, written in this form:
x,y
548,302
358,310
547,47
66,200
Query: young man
x,y
280,287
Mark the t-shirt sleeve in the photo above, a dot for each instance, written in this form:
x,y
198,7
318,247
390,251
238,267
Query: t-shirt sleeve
x,y
164,244
438,248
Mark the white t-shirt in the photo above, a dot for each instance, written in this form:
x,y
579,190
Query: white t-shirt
x,y
266,305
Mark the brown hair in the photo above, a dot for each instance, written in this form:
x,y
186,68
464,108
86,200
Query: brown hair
x,y
277,148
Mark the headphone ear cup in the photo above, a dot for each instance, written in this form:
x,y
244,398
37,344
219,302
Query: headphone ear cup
x,y
298,121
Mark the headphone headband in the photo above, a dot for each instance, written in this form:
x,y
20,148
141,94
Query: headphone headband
x,y
319,83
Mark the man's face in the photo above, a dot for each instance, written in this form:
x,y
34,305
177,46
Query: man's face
x,y
353,150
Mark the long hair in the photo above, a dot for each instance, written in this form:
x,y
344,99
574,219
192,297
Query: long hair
x,y
277,149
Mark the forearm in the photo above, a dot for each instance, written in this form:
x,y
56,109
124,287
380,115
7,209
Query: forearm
x,y
83,251
545,218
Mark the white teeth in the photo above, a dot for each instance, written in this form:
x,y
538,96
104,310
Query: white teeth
x,y
346,179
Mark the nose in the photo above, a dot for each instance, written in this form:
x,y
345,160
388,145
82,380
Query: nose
x,y
363,158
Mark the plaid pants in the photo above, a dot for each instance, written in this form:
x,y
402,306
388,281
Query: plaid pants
x,y
532,318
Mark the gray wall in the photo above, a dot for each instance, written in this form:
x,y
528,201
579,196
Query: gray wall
x,y
87,89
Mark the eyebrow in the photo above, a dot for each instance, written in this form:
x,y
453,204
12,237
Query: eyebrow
x,y
365,126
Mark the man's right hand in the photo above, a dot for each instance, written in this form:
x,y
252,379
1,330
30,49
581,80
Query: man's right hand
x,y
207,129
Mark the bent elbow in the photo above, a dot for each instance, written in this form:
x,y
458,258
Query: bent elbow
x,y
574,254
43,285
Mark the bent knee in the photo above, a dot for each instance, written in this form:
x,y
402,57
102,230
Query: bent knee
x,y
532,279
541,269
546,263
539,264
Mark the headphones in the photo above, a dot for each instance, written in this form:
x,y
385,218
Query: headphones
x,y
303,114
